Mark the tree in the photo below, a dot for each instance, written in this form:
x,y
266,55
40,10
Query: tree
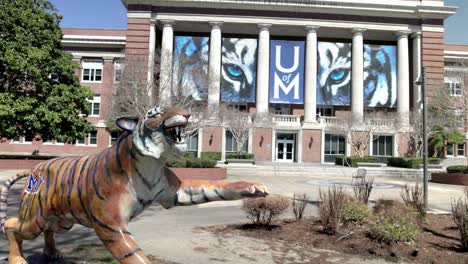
x,y
135,93
241,124
39,91
361,129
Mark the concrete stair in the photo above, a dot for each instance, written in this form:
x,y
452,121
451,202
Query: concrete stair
x,y
272,169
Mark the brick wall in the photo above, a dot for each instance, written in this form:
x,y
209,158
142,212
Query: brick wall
x,y
311,141
262,148
138,32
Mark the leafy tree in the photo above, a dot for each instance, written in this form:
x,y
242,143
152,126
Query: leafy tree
x,y
39,91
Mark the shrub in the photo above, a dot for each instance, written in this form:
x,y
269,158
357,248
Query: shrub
x,y
412,196
410,163
458,169
396,223
353,161
261,211
240,156
355,212
383,204
331,207
211,155
299,204
362,188
460,217
187,162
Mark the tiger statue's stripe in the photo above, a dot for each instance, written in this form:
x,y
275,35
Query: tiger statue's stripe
x,y
106,190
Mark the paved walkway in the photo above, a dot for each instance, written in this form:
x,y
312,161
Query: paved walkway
x,y
170,234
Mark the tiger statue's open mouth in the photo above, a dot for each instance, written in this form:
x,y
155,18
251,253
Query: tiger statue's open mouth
x,y
174,129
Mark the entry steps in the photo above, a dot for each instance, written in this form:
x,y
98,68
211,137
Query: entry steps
x,y
320,170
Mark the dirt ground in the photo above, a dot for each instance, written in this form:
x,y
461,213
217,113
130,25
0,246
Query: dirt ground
x,y
438,241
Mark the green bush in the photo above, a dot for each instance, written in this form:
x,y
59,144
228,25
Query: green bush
x,y
396,223
240,156
355,213
188,162
410,163
352,161
458,169
211,155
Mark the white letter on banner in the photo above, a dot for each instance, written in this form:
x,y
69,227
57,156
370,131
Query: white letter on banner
x,y
286,89
278,60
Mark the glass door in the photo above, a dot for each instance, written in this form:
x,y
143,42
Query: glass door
x,y
285,147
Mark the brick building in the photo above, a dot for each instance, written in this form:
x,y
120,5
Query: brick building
x,y
308,63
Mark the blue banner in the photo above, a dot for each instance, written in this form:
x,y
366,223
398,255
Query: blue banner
x,y
287,72
238,70
380,72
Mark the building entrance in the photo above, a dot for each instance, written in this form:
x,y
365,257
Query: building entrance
x,y
285,147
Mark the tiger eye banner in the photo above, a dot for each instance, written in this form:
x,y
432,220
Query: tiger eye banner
x,y
287,72
380,76
334,73
239,70
190,67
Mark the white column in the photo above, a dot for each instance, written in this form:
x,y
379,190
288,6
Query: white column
x,y
417,69
214,69
310,98
165,82
403,77
357,73
263,68
152,46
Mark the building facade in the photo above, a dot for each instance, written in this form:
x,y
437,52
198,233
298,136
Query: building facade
x,y
310,64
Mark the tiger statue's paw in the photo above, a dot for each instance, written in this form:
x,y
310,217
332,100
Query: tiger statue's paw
x,y
53,254
16,260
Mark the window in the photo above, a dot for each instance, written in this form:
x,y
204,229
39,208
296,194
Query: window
x,y
80,141
382,146
231,143
334,145
92,71
461,150
16,140
238,107
454,87
118,71
114,135
450,148
279,109
192,142
92,138
95,106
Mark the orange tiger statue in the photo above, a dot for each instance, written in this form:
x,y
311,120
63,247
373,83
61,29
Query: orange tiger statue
x,y
106,190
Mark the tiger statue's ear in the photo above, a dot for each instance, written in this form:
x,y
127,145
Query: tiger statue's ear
x,y
127,123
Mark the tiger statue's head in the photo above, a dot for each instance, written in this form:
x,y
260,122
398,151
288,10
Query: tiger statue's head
x,y
159,133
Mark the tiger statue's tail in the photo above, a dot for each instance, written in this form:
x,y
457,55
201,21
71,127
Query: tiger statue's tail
x,y
4,195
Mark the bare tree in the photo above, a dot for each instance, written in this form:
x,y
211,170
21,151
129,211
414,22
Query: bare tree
x,y
241,124
138,89
362,130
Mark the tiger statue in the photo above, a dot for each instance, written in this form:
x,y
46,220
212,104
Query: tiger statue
x,y
104,191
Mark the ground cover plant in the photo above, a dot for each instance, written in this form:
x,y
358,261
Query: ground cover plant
x,y
355,213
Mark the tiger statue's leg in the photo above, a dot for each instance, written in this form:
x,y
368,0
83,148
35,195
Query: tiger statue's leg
x,y
50,249
16,243
121,244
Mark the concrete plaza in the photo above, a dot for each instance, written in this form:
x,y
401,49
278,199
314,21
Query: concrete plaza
x,y
170,234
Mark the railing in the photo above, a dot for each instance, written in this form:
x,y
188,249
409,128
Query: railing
x,y
331,120
288,120
381,122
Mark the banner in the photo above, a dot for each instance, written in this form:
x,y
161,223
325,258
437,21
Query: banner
x,y
190,66
334,73
238,70
380,76
287,72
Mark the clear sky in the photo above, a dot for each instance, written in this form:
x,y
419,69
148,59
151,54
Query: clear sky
x,y
111,14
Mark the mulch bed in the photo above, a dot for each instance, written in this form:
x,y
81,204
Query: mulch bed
x,y
438,242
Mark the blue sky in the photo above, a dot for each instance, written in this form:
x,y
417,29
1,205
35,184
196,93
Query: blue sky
x,y
111,14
